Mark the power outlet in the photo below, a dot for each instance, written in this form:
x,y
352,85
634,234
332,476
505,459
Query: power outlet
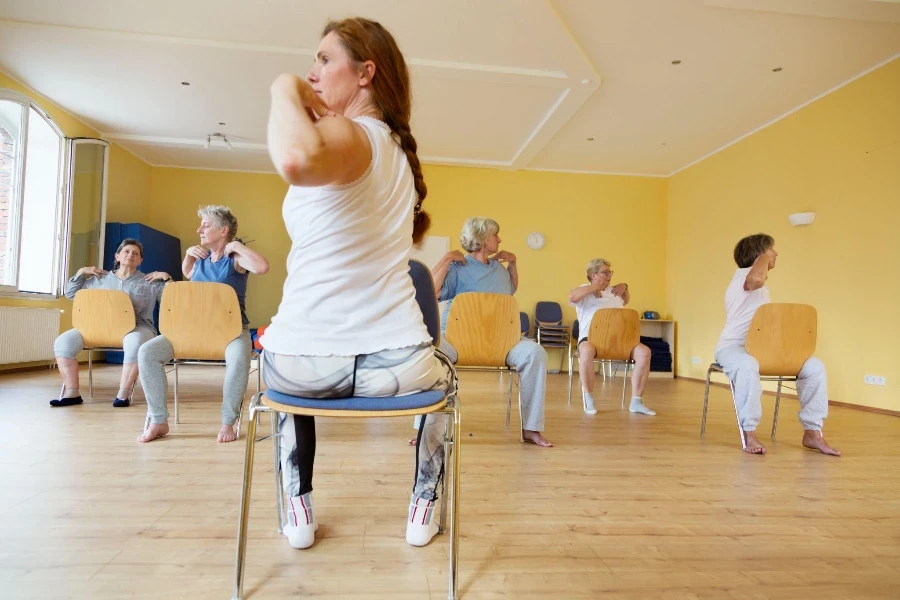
x,y
874,380
696,360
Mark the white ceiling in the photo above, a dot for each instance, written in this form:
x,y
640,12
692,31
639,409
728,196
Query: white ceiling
x,y
498,83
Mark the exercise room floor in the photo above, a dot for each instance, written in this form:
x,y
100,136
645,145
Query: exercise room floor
x,y
624,506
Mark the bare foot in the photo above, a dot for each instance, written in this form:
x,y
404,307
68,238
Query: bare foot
x,y
814,440
413,441
753,444
535,437
153,432
226,434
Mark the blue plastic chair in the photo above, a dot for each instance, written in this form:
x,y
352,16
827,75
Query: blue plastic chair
x,y
411,405
524,324
549,330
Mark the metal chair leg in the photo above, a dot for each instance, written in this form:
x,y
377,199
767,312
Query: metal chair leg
x,y
521,418
238,591
442,522
777,403
624,382
705,403
454,512
90,373
176,392
279,488
509,398
571,367
736,414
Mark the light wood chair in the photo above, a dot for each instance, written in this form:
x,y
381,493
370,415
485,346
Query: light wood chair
x,y
200,320
782,337
614,334
103,318
400,406
484,328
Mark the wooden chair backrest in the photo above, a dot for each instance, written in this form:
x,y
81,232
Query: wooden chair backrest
x,y
103,317
615,332
782,337
483,328
199,319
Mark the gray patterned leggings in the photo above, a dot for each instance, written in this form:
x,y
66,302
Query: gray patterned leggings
x,y
383,374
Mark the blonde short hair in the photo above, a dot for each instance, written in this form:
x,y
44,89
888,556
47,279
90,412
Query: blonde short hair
x,y
476,231
595,265
222,217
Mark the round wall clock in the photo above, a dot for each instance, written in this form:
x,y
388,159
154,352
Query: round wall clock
x,y
535,240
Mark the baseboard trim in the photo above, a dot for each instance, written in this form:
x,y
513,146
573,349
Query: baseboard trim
x,y
46,367
872,409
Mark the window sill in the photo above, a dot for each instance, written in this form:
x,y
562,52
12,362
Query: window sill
x,y
29,296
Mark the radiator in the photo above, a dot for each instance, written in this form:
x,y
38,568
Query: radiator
x,y
27,334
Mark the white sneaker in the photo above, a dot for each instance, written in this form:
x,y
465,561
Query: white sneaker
x,y
421,526
302,525
589,408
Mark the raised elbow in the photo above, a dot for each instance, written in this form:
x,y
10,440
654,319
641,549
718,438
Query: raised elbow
x,y
754,283
263,268
298,164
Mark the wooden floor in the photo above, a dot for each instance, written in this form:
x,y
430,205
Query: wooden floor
x,y
624,506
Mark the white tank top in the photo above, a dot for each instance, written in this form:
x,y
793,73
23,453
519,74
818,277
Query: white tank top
x,y
348,289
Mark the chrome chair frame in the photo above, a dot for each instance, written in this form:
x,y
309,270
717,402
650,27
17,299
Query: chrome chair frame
x,y
573,354
502,370
451,452
717,368
254,355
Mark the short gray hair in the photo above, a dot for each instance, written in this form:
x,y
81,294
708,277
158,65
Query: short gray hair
x,y
222,217
476,232
595,265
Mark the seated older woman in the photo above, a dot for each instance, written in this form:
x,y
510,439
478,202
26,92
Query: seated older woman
x,y
587,299
481,270
144,291
219,259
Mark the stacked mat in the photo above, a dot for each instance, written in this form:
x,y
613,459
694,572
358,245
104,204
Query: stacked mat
x,y
660,356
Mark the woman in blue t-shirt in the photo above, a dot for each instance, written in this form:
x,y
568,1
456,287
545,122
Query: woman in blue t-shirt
x,y
219,258
481,270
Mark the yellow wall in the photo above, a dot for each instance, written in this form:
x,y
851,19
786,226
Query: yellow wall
x,y
521,202
839,157
127,194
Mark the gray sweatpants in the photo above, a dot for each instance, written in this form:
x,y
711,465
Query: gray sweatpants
x,y
529,359
156,353
743,370
387,373
70,343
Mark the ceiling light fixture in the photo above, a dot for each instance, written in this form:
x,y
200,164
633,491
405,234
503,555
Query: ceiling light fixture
x,y
221,123
590,139
676,62
776,69
219,137
185,83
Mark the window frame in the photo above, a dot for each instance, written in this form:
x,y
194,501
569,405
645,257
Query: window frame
x,y
17,204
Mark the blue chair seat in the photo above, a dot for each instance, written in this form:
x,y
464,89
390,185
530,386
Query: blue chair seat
x,y
410,402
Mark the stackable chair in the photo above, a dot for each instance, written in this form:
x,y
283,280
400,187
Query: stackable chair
x,y
524,324
614,333
782,337
549,330
200,319
483,328
103,318
399,406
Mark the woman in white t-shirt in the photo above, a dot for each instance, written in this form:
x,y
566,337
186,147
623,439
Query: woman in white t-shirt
x,y
755,256
348,323
587,299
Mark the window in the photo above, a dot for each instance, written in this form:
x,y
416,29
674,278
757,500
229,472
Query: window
x,y
31,198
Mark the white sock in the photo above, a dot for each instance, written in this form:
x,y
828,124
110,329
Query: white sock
x,y
589,407
73,393
420,525
301,528
637,406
